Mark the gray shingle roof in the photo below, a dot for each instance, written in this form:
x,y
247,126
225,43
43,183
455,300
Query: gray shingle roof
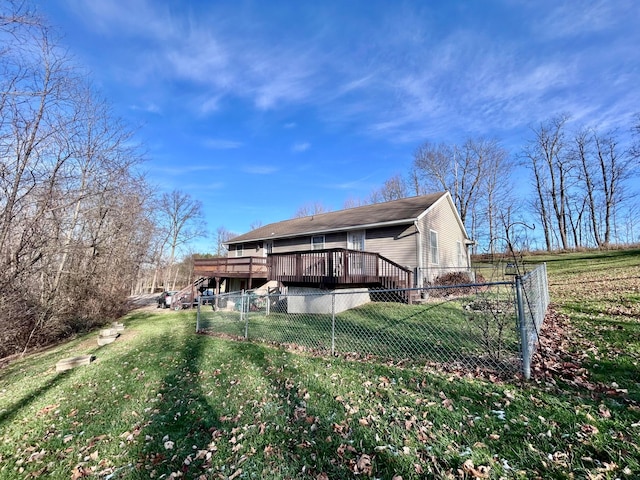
x,y
405,210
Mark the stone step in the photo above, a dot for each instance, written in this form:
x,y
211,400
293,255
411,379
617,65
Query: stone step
x,y
69,363
107,339
108,332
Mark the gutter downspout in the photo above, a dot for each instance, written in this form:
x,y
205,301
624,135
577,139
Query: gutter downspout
x,y
420,260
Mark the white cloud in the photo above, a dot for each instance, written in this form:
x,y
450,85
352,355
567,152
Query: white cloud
x,y
201,58
215,49
221,144
259,169
149,107
113,18
400,74
570,20
300,147
188,168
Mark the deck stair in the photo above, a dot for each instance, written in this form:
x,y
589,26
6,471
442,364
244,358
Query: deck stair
x,y
187,297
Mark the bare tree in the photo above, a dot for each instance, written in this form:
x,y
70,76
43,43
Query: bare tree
x,y
355,202
222,236
495,193
615,167
255,224
181,220
549,160
433,165
477,175
583,156
70,204
393,188
310,209
452,168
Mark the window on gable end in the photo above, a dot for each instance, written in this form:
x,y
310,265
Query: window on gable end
x,y
434,250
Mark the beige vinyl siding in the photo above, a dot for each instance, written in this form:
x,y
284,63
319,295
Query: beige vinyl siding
x,y
441,218
251,249
397,243
301,244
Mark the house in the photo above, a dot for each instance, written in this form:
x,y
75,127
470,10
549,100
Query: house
x,y
398,244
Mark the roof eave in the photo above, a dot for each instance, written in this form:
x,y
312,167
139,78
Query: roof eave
x,y
391,223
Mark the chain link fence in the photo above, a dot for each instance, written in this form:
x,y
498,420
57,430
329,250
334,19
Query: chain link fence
x,y
463,327
532,292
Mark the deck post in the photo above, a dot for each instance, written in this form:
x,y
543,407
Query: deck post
x,y
330,273
298,266
216,304
347,270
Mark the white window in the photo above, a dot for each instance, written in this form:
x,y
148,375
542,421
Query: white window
x,y
355,240
317,242
239,251
268,247
461,258
433,243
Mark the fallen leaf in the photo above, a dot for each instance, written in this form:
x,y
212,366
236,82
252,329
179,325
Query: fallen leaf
x,y
48,409
589,429
604,411
363,465
235,474
480,471
79,472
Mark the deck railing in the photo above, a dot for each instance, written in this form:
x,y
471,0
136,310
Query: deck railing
x,y
329,267
338,267
232,266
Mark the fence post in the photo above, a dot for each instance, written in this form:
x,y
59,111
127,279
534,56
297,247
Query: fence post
x,y
333,323
524,336
243,314
247,300
198,315
268,306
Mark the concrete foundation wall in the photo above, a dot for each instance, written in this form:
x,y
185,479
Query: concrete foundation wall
x,y
314,300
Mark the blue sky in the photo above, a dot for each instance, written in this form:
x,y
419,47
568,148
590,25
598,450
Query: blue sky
x,y
259,107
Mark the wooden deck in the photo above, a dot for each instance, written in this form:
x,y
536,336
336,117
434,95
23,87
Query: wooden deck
x,y
232,267
329,268
338,268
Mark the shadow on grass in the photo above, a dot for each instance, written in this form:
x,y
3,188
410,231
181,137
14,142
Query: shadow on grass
x,y
9,413
311,431
622,371
182,417
141,315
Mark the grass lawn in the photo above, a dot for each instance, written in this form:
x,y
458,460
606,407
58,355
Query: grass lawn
x,y
163,402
